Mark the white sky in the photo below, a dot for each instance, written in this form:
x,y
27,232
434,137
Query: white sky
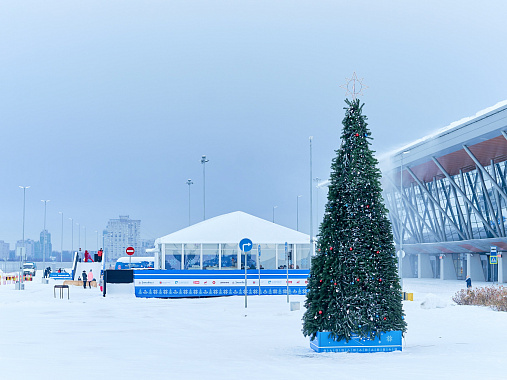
x,y
107,107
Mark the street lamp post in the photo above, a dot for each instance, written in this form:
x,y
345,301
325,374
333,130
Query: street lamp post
x,y
203,162
97,232
21,276
85,247
189,182
297,212
274,213
45,237
61,242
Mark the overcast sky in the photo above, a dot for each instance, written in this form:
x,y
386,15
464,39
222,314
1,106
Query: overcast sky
x,y
106,107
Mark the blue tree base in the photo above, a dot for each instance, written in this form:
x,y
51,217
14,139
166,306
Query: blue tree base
x,y
387,342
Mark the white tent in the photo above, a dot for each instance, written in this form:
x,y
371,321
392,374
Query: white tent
x,y
231,228
216,241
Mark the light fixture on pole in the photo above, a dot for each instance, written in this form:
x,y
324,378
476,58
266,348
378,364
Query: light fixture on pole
x,y
61,242
203,162
297,212
401,254
45,236
274,213
22,251
189,182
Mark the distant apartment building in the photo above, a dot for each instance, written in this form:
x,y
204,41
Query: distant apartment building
x,y
4,250
40,252
147,244
29,245
119,235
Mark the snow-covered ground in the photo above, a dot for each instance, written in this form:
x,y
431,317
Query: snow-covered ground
x,y
123,337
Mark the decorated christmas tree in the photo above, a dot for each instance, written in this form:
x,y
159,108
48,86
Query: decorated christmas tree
x,y
354,286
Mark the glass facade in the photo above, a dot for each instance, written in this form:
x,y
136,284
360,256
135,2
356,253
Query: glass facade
x,y
228,256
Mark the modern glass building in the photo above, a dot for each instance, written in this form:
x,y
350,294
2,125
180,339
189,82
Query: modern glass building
x,y
447,197
214,245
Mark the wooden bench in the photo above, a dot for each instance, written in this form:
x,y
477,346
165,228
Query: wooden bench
x,y
61,287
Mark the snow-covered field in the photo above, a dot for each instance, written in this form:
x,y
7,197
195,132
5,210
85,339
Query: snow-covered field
x,y
123,337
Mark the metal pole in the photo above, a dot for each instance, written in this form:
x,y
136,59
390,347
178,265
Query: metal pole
x,y
61,242
85,237
274,213
246,279
287,265
203,162
78,235
21,275
311,200
45,236
259,265
97,232
189,182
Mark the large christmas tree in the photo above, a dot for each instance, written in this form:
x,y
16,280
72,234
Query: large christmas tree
x,y
354,286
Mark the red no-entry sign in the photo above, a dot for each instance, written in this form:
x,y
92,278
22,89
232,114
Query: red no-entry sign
x,y
130,251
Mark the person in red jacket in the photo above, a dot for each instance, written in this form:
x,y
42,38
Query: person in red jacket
x,y
88,257
99,254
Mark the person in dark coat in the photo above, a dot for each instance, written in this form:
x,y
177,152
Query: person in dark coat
x,y
85,278
469,282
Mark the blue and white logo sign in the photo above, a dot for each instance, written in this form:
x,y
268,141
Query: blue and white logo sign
x,y
245,245
259,249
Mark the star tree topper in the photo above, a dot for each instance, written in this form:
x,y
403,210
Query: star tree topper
x,y
354,86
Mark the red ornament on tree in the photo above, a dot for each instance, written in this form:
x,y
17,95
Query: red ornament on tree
x,y
357,134
385,318
320,312
350,249
330,248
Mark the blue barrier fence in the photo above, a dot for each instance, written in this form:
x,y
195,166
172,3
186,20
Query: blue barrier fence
x,y
213,283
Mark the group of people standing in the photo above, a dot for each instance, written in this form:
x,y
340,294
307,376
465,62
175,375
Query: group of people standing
x,y
88,256
87,278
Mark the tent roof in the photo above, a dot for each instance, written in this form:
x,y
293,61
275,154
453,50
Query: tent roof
x,y
231,228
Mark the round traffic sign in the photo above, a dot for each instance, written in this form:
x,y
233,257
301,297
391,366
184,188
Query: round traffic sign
x,y
130,251
245,245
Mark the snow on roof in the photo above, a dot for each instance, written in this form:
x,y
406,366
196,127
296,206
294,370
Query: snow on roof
x,y
442,130
231,228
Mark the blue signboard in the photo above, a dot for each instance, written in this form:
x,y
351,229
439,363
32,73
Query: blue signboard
x,y
245,245
199,283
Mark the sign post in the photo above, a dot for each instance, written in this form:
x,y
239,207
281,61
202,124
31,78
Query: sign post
x,y
245,245
259,265
130,251
493,255
287,265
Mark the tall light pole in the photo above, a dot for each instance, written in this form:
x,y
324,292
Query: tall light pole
x,y
61,242
21,276
45,235
189,182
311,199
72,239
203,162
85,237
97,232
400,254
317,181
297,212
274,213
